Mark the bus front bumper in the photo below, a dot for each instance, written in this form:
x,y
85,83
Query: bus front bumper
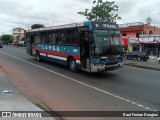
x,y
99,68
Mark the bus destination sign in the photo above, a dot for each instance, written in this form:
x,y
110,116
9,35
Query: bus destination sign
x,y
103,25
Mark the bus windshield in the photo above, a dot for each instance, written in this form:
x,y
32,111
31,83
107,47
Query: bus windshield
x,y
105,40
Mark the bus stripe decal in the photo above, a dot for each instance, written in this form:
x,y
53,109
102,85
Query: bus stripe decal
x,y
57,57
42,54
58,54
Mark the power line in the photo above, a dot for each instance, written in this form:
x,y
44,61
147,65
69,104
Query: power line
x,y
120,3
130,2
31,17
23,15
142,16
124,3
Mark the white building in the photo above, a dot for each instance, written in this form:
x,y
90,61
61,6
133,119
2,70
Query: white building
x,y
18,33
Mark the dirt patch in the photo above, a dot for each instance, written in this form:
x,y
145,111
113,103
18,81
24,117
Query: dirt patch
x,y
28,88
16,77
22,82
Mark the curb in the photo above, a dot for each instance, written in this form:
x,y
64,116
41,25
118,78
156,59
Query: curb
x,y
140,66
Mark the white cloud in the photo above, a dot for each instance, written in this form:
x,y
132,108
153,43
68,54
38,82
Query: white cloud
x,y
23,13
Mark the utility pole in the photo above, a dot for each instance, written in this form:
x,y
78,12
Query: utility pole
x,y
28,27
53,18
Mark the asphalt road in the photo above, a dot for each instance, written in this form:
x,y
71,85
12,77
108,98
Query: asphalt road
x,y
126,89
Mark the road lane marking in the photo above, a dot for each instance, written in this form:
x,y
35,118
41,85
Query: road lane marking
x,y
82,83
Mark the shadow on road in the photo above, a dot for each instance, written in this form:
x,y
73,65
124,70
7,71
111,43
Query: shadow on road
x,y
83,76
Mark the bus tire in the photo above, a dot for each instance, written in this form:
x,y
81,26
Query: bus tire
x,y
38,57
72,65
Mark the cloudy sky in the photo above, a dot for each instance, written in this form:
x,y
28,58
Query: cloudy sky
x,y
24,13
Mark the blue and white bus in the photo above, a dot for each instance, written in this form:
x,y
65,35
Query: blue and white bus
x,y
90,46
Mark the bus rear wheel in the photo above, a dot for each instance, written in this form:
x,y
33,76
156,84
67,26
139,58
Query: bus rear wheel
x,y
72,65
38,58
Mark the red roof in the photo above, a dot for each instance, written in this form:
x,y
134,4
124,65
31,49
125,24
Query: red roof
x,y
132,28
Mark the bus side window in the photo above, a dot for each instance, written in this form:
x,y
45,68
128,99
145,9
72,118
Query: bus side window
x,y
57,40
72,37
37,38
76,40
60,37
51,38
68,40
44,37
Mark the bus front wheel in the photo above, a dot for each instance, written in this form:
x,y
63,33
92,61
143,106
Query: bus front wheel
x,y
72,65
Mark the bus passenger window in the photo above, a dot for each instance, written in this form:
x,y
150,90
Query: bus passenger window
x,y
67,40
72,37
57,39
75,41
51,37
60,38
44,38
37,38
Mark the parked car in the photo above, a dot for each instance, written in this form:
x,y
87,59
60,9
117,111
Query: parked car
x,y
137,55
1,42
1,46
159,59
21,44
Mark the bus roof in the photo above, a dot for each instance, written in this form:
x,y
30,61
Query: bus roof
x,y
58,27
101,25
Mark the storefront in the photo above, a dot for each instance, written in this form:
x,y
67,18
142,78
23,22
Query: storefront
x,y
125,44
149,45
151,49
134,45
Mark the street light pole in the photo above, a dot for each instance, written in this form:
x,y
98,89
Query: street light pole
x,y
28,27
53,18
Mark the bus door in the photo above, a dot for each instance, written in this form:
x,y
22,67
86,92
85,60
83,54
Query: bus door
x,y
29,43
32,44
85,50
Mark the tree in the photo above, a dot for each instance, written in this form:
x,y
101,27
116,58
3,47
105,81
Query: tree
x,y
34,26
102,11
6,38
